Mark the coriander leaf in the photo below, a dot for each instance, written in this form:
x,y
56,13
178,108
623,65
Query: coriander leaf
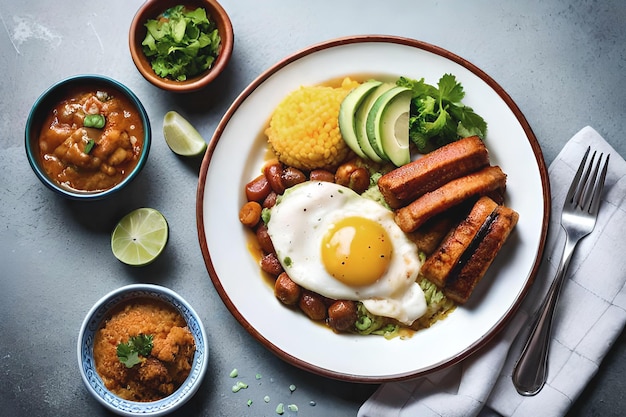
x,y
419,87
127,356
426,108
178,29
181,43
197,16
420,141
470,123
156,30
437,115
128,353
193,32
142,344
436,126
449,89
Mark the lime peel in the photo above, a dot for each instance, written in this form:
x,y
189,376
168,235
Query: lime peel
x,y
181,137
140,237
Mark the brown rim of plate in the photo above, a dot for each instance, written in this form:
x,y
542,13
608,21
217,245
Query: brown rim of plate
x,y
336,43
137,32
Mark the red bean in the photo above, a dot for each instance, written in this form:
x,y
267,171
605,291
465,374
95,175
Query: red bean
x,y
322,175
270,200
312,305
342,315
286,290
292,176
271,264
258,189
264,239
273,172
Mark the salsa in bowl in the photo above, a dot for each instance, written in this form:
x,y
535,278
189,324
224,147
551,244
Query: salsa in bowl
x,y
87,137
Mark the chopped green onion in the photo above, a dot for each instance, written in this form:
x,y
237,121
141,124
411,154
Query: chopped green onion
x,y
234,373
89,146
363,323
239,386
292,388
258,376
249,403
292,407
266,398
280,409
94,120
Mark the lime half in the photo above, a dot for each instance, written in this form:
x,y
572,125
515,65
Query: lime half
x,y
182,138
139,237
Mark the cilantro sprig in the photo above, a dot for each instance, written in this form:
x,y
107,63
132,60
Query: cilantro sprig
x,y
438,116
128,353
181,43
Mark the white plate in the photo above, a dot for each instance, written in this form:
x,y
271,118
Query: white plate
x,y
235,156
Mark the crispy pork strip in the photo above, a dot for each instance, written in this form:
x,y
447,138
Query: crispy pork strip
x,y
428,237
404,184
479,256
476,184
438,266
431,234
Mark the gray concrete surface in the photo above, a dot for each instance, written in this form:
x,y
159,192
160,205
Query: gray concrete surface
x,y
561,61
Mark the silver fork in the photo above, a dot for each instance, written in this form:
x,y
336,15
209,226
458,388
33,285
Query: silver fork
x,y
578,219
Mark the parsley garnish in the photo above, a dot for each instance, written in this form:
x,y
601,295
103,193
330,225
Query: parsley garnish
x,y
128,353
437,115
181,43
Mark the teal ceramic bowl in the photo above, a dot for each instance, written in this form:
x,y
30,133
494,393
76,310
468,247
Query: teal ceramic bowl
x,y
41,111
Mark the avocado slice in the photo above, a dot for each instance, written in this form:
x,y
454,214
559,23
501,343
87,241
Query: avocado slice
x,y
361,122
347,113
388,124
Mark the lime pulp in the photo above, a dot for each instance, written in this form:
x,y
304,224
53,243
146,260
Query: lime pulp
x,y
140,237
180,135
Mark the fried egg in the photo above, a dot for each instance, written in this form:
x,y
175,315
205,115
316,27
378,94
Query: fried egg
x,y
341,245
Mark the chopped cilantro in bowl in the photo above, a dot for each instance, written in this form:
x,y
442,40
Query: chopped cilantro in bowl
x,y
181,43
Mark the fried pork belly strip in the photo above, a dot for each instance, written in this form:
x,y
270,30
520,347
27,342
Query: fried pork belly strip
x,y
464,278
428,237
437,267
403,185
476,184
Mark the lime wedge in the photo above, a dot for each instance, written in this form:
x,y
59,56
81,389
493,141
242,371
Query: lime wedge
x,y
182,138
139,237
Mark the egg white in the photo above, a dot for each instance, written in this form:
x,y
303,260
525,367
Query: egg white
x,y
297,225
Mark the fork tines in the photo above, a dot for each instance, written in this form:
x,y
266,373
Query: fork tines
x,y
584,193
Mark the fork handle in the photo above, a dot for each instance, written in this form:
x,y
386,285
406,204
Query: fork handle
x,y
531,370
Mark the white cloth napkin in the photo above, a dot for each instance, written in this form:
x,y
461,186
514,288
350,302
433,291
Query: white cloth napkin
x,y
590,316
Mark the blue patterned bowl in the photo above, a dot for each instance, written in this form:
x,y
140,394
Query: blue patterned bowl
x,y
94,383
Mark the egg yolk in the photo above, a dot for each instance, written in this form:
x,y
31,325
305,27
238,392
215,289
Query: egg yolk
x,y
356,251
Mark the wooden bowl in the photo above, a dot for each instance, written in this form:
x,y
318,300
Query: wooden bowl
x,y
153,8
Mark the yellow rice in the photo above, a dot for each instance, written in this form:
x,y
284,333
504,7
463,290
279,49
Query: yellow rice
x,y
304,128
